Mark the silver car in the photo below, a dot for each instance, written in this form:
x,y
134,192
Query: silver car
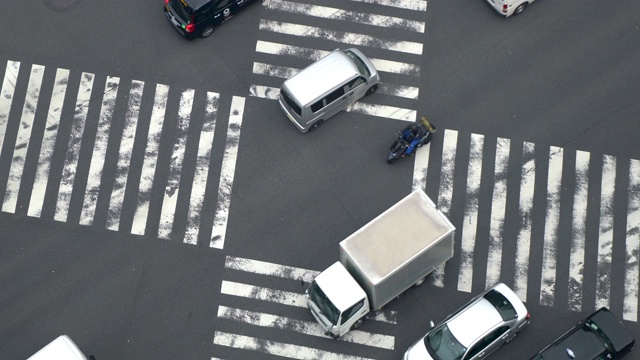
x,y
476,330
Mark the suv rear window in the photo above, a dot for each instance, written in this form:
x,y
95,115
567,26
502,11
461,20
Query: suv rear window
x,y
183,11
504,307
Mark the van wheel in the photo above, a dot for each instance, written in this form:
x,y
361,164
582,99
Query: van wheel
x,y
316,125
357,324
372,89
520,8
207,31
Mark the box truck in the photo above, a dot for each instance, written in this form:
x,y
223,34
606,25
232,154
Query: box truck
x,y
393,252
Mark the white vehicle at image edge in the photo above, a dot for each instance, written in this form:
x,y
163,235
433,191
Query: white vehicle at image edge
x,y
62,348
476,330
507,8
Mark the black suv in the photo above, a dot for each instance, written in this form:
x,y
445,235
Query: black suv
x,y
600,337
194,18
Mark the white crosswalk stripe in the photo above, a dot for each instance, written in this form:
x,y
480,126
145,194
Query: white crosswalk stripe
x,y
272,71
80,187
541,209
300,328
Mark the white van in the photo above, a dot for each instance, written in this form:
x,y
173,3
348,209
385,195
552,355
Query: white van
x,y
327,86
507,8
62,348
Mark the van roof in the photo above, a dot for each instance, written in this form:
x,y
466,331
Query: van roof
x,y
321,76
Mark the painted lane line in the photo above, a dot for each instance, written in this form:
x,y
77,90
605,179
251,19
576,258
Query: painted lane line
x,y
632,270
262,293
552,220
199,185
384,111
139,224
124,155
48,143
390,66
346,15
445,191
22,141
340,36
171,191
470,224
6,96
605,239
73,147
311,328
419,5
266,268
498,211
227,173
409,92
99,151
276,348
578,233
523,243
421,168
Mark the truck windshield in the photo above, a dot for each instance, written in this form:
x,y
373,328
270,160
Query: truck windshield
x,y
442,345
322,301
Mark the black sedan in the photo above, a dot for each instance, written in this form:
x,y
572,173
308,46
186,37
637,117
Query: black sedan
x,y
600,336
193,18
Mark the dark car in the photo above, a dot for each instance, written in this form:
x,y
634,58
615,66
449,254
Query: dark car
x,y
600,337
193,18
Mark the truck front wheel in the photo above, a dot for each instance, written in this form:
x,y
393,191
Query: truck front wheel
x,y
357,324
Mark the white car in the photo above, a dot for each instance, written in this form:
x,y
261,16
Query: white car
x,y
476,330
507,8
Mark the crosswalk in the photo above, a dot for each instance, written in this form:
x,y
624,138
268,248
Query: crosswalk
x,y
283,311
557,195
282,49
73,161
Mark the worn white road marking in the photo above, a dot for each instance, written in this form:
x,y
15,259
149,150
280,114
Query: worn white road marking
x,y
303,327
579,223
470,224
552,219
99,151
22,141
276,348
346,15
340,36
263,293
266,268
498,211
73,147
421,168
227,173
632,269
202,169
391,112
139,224
523,243
175,167
605,239
48,143
6,96
124,155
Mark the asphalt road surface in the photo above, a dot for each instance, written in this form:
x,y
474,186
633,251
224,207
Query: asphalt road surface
x,y
156,202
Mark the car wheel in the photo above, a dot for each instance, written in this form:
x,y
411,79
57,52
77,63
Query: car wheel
x,y
372,89
520,8
316,125
207,31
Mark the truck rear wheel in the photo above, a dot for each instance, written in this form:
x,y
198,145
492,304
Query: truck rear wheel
x,y
420,282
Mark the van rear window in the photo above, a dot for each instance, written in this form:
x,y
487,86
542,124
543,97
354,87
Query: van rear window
x,y
181,9
292,104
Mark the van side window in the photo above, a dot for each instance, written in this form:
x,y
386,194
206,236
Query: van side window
x,y
334,95
317,105
355,83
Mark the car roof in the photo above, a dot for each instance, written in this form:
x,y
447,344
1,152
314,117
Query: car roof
x,y
612,327
581,342
474,321
196,4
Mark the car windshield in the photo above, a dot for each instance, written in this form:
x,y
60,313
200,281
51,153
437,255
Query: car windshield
x,y
603,337
322,301
504,307
184,12
442,345
362,67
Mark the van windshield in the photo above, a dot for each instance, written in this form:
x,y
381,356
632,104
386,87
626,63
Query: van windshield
x,y
292,104
324,304
362,67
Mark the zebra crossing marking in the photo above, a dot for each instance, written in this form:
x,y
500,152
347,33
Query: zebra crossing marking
x,y
605,239
22,141
632,273
6,96
579,224
498,211
525,205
